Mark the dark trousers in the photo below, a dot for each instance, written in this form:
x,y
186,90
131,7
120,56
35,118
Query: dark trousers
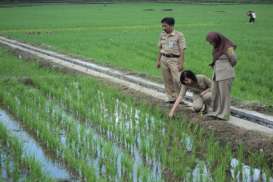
x,y
251,20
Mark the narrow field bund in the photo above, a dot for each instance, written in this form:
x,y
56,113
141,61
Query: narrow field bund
x,y
66,111
145,86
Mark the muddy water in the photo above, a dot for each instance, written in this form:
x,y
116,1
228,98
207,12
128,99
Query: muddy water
x,y
33,149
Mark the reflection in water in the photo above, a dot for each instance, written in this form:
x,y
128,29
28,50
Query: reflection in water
x,y
32,148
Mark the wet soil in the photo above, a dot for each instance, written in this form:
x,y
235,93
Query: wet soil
x,y
253,105
224,132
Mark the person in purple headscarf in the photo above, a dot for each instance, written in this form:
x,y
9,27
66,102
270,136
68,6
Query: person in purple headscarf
x,y
223,62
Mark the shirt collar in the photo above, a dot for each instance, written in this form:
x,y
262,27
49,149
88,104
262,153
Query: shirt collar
x,y
170,34
197,84
173,33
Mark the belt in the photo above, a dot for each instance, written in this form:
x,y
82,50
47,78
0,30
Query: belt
x,y
170,55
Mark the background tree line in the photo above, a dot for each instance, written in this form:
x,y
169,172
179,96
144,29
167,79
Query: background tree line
x,y
113,1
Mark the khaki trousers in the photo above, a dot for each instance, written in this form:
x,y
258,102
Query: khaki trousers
x,y
171,76
199,101
221,99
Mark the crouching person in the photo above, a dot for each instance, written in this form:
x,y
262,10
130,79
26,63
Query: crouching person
x,y
200,86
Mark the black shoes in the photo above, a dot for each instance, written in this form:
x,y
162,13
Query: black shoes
x,y
170,102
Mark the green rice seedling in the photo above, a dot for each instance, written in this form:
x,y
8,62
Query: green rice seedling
x,y
239,167
257,159
48,137
106,126
227,156
220,173
210,152
16,173
1,158
26,101
150,128
72,137
18,165
7,166
128,165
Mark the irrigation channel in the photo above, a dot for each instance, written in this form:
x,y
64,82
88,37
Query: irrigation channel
x,y
247,119
133,149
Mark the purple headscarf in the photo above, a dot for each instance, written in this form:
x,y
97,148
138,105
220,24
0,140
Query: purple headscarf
x,y
220,44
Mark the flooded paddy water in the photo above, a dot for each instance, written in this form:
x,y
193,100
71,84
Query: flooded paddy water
x,y
31,148
138,132
121,141
100,145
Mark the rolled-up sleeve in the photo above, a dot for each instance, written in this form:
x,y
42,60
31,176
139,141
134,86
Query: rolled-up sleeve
x,y
183,91
159,41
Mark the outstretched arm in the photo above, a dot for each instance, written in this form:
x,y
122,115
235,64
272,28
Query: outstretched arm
x,y
177,101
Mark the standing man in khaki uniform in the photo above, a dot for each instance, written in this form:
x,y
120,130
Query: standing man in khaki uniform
x,y
171,57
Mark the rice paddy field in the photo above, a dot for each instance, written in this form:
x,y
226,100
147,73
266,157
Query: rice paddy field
x,y
88,131
126,35
98,134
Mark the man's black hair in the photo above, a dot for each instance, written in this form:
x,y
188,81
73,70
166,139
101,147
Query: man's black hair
x,y
169,20
187,74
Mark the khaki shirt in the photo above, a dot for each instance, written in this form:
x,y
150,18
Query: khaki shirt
x,y
203,83
171,43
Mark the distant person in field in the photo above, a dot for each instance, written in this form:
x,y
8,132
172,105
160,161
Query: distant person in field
x,y
252,16
200,86
171,57
224,60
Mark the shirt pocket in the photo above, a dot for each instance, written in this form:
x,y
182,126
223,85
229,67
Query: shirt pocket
x,y
163,43
172,44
